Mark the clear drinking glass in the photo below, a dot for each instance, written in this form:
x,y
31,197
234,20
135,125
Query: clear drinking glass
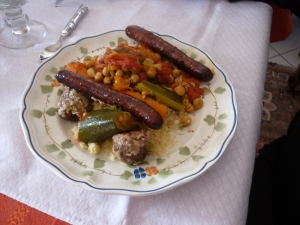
x,y
19,31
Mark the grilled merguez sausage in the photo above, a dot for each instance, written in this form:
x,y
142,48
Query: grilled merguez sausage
x,y
137,108
170,52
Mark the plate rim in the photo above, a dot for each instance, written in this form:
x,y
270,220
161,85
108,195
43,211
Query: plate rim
x,y
125,191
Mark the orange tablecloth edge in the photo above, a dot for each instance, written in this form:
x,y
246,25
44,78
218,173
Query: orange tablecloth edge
x,y
14,212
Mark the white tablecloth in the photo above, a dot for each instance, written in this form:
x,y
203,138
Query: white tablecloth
x,y
236,35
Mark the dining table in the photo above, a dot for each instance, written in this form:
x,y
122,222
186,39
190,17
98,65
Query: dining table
x,y
235,35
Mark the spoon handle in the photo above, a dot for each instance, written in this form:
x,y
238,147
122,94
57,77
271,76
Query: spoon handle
x,y
74,20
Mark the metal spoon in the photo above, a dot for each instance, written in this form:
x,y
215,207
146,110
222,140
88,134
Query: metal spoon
x,y
51,50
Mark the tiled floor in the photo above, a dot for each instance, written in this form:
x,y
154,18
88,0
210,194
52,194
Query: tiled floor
x,y
287,52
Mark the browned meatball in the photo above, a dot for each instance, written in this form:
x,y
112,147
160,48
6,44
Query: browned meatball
x,y
73,104
131,147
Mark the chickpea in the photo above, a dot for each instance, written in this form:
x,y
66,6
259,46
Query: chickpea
x,y
178,79
125,69
185,101
88,64
148,61
134,78
198,103
98,77
179,90
126,79
171,80
176,73
113,67
157,55
134,70
105,72
112,73
119,73
107,80
185,121
189,108
95,58
151,72
91,72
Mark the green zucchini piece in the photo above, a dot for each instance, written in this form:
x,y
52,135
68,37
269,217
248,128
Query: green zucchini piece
x,y
101,124
98,125
162,95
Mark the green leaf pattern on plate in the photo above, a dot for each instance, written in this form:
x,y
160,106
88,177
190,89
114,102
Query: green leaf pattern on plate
x,y
131,166
202,61
152,181
220,90
165,173
46,89
160,161
52,148
87,173
53,70
67,144
112,44
184,151
196,158
83,50
63,67
48,78
98,163
59,92
36,113
126,175
223,116
220,126
206,91
120,39
209,120
51,111
193,56
138,182
62,155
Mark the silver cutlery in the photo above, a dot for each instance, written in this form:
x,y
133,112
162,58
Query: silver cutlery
x,y
51,50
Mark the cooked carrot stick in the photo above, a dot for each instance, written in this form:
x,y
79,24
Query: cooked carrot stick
x,y
160,108
77,67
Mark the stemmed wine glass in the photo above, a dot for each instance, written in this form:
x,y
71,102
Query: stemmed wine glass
x,y
19,31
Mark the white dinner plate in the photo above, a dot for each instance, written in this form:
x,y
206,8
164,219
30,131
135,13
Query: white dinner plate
x,y
197,148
